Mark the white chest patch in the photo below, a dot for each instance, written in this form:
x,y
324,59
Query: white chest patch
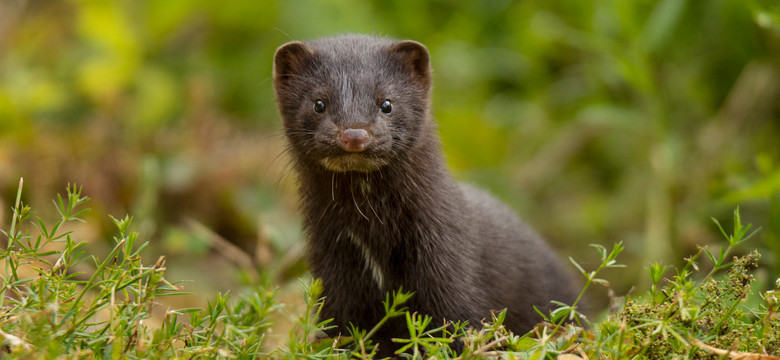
x,y
372,265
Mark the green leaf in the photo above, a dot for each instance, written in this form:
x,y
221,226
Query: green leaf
x,y
664,18
582,271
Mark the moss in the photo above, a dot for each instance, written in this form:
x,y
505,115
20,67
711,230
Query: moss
x,y
713,313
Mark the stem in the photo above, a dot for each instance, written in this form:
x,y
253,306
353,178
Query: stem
x,y
590,278
728,313
12,235
376,327
89,284
719,265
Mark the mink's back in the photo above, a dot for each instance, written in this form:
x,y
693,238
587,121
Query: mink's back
x,y
519,270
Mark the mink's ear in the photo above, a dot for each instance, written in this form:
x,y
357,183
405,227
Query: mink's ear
x,y
414,58
290,60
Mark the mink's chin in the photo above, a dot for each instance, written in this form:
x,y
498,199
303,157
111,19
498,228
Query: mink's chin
x,y
352,162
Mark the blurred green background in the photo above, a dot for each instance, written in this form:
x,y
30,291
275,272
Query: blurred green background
x,y
598,121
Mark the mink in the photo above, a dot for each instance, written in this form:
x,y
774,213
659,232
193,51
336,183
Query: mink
x,y
382,212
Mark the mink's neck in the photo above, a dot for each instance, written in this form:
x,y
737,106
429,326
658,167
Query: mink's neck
x,y
414,187
398,221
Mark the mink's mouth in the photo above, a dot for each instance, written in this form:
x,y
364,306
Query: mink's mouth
x,y
352,162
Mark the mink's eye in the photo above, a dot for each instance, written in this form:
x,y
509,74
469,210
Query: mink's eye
x,y
319,106
386,107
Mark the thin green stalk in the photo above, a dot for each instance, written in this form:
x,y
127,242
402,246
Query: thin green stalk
x,y
16,212
12,236
376,327
728,313
89,284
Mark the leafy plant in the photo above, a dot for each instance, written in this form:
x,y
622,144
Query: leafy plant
x,y
686,318
57,301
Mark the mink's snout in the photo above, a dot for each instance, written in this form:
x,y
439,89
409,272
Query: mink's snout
x,y
354,140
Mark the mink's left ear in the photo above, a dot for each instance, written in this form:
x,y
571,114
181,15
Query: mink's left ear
x,y
290,60
414,58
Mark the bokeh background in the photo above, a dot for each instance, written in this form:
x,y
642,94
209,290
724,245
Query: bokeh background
x,y
598,121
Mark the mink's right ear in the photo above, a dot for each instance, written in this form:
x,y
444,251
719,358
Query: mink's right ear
x,y
414,59
290,60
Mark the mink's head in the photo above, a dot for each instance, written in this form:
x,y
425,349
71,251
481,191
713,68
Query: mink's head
x,y
352,103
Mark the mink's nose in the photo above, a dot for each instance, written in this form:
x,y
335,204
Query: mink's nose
x,y
354,140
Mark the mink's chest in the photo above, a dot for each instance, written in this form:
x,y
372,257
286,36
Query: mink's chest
x,y
363,208
376,231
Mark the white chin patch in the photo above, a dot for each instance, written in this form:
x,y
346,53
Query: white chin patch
x,y
352,162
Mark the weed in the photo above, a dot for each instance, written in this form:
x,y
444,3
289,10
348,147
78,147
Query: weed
x,y
57,301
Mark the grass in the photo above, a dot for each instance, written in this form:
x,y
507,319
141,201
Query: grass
x,y
59,301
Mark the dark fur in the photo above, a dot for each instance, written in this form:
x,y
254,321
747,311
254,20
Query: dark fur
x,y
460,250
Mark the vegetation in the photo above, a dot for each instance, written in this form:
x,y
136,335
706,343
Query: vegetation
x,y
58,301
600,122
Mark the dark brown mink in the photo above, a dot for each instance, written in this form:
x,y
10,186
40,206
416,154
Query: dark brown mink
x,y
381,212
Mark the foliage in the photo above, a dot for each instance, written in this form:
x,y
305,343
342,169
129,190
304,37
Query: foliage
x,y
621,120
708,311
57,301
598,121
